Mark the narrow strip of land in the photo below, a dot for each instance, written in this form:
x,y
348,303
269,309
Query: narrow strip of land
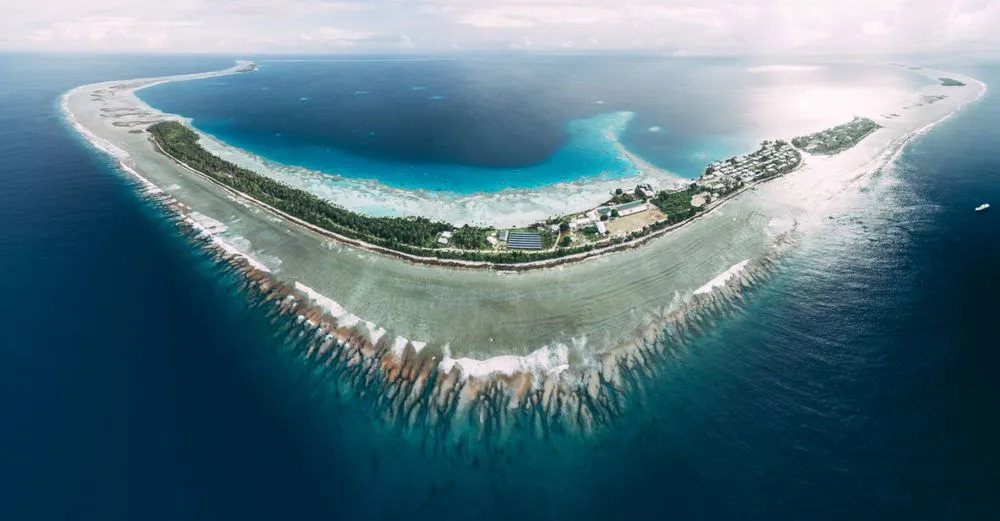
x,y
557,241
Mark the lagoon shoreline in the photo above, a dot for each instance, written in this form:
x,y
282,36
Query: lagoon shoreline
x,y
466,264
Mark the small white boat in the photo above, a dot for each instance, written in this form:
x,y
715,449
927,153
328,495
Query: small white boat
x,y
982,207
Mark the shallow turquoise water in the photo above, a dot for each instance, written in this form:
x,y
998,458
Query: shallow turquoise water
x,y
471,125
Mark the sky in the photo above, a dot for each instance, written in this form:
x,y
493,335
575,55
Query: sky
x,y
678,27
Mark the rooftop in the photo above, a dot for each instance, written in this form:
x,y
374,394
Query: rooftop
x,y
627,206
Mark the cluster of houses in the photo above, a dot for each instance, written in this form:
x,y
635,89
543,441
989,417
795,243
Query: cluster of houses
x,y
835,139
597,216
772,158
720,177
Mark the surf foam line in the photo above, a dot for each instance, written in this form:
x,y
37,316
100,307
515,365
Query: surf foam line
x,y
444,402
420,389
721,280
110,149
983,89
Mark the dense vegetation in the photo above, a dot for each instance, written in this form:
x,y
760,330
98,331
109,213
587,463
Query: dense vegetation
x,y
620,196
836,139
948,82
677,205
470,238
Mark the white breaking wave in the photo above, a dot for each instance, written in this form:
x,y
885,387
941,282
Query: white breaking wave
x,y
331,306
204,224
539,362
542,361
207,224
722,279
348,319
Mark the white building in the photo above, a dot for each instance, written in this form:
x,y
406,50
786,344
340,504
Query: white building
x,y
631,208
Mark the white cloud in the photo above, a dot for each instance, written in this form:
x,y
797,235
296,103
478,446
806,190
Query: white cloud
x,y
530,15
312,8
98,31
875,28
338,35
671,26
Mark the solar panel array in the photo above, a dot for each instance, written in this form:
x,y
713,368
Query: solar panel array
x,y
524,241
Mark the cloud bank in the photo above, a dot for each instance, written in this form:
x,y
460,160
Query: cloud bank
x,y
673,26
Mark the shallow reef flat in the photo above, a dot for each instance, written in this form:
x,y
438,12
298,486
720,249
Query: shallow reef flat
x,y
477,353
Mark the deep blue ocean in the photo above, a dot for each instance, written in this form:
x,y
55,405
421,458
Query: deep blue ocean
x,y
136,384
466,125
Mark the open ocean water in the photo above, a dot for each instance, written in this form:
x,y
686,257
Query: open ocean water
x,y
135,383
